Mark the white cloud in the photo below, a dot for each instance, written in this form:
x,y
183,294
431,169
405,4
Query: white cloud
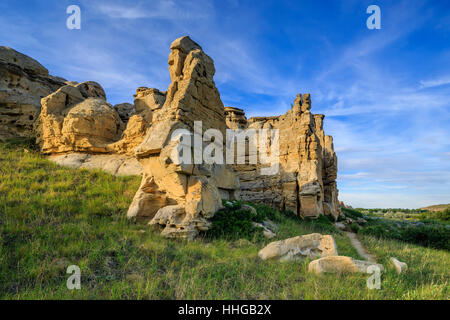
x,y
159,9
435,82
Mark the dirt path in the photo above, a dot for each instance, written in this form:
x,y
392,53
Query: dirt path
x,y
359,247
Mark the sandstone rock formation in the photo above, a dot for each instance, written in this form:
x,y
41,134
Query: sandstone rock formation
x,y
23,82
235,118
79,128
311,246
77,119
181,198
146,102
125,111
306,182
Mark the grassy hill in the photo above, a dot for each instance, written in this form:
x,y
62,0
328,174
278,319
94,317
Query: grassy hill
x,y
52,217
437,207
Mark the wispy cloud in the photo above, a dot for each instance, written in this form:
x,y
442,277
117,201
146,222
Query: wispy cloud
x,y
435,82
159,9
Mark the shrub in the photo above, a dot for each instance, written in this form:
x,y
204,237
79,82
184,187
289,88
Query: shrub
x,y
233,222
429,234
355,227
351,213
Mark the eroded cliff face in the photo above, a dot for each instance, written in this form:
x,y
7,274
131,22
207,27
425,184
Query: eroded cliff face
x,y
306,181
23,82
181,198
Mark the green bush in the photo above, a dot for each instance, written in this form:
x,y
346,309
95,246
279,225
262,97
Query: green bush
x,y
438,215
351,213
233,222
355,227
431,234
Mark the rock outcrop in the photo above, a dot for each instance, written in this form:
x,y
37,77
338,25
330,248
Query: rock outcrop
x,y
77,127
23,82
181,198
77,119
306,181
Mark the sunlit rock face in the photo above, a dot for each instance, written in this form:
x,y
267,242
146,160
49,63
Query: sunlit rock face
x,y
23,82
181,199
306,181
75,125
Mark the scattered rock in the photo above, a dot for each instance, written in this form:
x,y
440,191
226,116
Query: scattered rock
x,y
270,225
340,226
361,221
312,246
400,267
340,264
267,233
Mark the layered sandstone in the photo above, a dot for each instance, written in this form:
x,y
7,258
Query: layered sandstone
x,y
77,127
77,119
181,197
306,181
23,82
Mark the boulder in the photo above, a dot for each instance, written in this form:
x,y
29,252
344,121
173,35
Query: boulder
x,y
340,264
400,267
300,247
269,234
71,122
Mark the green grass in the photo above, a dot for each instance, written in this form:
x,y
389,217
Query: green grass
x,y
427,232
52,217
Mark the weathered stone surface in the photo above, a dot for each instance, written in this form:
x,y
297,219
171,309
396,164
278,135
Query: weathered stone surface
x,y
306,181
139,120
70,121
269,234
311,246
400,267
23,82
192,192
125,111
119,165
91,89
340,264
235,118
77,120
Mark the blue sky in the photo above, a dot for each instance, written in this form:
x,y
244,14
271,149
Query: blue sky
x,y
385,93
